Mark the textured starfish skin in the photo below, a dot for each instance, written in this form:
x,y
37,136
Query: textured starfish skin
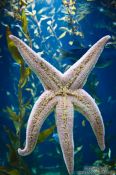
x,y
63,93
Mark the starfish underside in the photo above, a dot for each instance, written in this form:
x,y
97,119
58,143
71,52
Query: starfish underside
x,y
63,93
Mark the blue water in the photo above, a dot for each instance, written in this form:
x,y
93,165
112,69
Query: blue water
x,y
99,22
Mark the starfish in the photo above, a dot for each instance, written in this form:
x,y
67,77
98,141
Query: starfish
x,y
63,93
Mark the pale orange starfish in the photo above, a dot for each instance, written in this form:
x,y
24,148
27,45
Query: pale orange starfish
x,y
63,93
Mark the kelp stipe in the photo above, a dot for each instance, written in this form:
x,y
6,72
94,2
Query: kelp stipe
x,y
16,164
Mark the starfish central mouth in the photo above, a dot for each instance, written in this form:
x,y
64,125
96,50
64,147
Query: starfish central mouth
x,y
64,91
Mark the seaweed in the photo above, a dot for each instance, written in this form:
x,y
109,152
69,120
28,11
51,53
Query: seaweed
x,y
16,165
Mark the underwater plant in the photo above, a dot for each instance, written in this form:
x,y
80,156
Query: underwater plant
x,y
16,165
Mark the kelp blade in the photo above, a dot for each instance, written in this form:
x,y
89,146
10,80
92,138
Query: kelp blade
x,y
45,134
12,48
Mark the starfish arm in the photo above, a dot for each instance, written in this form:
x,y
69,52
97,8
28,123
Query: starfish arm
x,y
49,75
39,113
64,122
77,74
86,105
